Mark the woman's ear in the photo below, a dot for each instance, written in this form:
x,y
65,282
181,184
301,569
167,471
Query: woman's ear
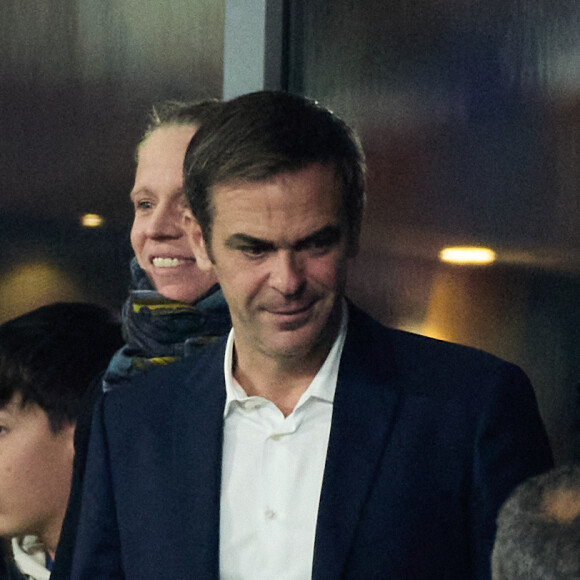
x,y
196,241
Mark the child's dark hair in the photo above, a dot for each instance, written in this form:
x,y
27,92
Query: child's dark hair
x,y
51,355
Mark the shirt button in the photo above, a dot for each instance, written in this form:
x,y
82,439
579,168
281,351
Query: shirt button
x,y
270,514
276,437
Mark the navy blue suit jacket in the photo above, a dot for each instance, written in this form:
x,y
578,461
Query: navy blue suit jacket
x,y
427,440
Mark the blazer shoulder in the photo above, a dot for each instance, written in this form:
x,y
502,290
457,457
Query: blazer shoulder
x,y
426,365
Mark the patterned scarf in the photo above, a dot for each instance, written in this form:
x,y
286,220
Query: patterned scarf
x,y
159,331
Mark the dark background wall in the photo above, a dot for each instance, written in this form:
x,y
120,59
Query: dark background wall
x,y
77,80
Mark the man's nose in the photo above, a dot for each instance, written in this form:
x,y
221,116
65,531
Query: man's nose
x,y
165,223
287,274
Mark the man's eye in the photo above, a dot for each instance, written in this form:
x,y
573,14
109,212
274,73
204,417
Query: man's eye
x,y
254,251
318,246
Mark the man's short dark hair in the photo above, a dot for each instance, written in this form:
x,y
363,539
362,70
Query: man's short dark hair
x,y
260,135
51,355
533,542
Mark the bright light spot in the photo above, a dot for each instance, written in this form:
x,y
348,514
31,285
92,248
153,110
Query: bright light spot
x,y
467,255
92,220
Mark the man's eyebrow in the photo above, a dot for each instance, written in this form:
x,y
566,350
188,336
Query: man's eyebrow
x,y
245,240
329,234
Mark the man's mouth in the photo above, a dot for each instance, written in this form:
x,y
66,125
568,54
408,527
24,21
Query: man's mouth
x,y
166,262
293,311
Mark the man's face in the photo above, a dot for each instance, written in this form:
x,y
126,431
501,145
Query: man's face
x,y
279,250
35,472
157,236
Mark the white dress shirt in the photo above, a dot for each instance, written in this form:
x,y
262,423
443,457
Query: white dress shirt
x,y
272,475
30,558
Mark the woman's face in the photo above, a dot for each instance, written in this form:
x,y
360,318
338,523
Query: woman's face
x,y
157,236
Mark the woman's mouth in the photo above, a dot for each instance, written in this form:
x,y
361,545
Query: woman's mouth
x,y
166,262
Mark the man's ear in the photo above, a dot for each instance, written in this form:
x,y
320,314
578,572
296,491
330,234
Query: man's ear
x,y
196,241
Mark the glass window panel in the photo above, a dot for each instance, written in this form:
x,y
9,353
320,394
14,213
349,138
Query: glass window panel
x,y
470,116
78,79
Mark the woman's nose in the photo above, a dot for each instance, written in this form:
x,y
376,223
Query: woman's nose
x,y
165,223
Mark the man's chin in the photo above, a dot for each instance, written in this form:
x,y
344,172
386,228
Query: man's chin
x,y
294,344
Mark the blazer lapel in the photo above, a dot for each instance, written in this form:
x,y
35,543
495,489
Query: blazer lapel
x,y
199,462
364,408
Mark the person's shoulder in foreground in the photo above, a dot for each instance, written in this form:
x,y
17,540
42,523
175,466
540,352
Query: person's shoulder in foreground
x,y
538,532
403,447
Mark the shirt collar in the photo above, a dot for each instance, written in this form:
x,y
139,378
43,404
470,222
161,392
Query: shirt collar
x,y
30,557
323,386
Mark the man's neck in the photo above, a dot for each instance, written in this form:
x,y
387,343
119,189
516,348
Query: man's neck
x,y
283,384
278,378
50,543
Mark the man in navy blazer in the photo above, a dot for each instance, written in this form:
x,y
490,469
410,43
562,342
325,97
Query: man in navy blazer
x,y
312,442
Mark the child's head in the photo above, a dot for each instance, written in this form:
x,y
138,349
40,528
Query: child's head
x,y
48,359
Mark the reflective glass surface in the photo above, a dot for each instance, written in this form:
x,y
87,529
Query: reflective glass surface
x,y
470,116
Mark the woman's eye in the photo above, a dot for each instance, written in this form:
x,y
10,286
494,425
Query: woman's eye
x,y
143,205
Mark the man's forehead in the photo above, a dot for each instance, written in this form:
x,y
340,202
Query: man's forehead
x,y
320,175
265,172
283,196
